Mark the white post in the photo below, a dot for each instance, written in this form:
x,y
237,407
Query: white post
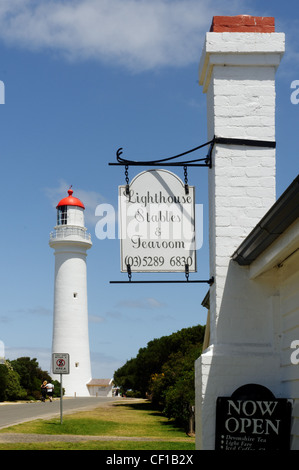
x,y
61,395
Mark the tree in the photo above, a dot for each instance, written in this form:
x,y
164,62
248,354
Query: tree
x,y
25,379
125,376
30,373
164,371
10,388
14,391
137,372
3,381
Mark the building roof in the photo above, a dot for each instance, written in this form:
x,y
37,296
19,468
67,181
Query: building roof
x,y
100,382
70,200
280,216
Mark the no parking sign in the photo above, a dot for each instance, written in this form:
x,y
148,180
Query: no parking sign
x,y
61,363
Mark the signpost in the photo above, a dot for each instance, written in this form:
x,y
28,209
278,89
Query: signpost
x,y
253,419
157,224
61,365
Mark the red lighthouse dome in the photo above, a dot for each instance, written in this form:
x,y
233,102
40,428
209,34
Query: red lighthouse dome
x,y
70,200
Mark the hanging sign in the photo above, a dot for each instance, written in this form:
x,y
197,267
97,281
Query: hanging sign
x,y
157,224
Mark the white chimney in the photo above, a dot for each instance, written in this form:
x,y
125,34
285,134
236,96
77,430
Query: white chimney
x,y
237,72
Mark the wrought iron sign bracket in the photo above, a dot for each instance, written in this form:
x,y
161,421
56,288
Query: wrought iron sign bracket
x,y
209,281
167,162
172,162
197,162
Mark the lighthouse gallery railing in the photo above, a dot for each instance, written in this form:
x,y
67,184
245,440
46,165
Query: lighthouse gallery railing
x,y
65,232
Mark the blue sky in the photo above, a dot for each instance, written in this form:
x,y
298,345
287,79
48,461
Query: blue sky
x,y
83,78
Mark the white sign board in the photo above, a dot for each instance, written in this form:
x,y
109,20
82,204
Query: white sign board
x,y
60,363
157,224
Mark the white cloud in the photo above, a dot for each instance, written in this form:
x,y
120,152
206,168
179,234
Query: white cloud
x,y
146,303
5,319
138,34
43,355
38,310
42,311
103,365
95,319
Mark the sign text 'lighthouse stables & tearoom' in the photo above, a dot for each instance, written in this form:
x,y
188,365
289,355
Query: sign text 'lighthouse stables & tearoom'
x,y
157,224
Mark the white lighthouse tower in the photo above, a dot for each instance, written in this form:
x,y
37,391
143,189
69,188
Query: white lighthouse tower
x,y
70,326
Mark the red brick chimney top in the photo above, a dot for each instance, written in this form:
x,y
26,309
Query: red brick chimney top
x,y
243,24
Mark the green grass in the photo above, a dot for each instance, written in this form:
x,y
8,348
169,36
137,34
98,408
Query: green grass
x,y
102,445
135,419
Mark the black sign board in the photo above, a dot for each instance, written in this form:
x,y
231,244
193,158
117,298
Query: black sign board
x,y
253,419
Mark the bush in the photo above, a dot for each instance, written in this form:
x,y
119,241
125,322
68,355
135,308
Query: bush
x,y
21,379
179,400
133,394
14,391
10,388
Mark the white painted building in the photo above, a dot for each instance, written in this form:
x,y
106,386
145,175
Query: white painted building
x,y
70,325
100,387
254,239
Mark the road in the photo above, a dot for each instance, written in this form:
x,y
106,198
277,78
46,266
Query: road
x,y
15,413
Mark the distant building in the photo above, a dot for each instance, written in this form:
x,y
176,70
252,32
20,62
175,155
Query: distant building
x,y
100,387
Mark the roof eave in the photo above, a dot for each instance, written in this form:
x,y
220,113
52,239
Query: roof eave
x,y
280,216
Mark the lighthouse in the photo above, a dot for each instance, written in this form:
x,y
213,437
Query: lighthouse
x,y
71,241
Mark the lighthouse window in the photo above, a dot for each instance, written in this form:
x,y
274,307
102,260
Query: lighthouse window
x,y
62,215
